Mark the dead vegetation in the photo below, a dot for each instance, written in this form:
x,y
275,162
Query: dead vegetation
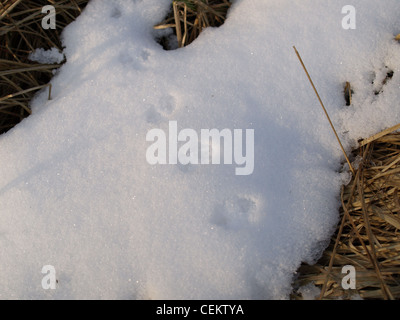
x,y
368,237
21,33
190,17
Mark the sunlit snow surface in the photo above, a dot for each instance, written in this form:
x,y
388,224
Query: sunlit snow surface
x,y
77,193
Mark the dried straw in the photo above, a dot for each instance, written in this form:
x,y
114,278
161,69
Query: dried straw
x,y
21,33
368,236
191,17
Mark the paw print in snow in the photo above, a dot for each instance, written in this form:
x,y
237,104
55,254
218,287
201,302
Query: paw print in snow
x,y
115,13
238,212
136,60
162,111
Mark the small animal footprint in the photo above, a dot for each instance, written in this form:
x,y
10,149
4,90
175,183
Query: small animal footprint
x,y
153,116
144,55
186,168
136,60
115,13
167,105
237,212
125,59
162,111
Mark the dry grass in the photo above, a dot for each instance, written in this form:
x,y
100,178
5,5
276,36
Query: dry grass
x,y
21,33
191,17
368,236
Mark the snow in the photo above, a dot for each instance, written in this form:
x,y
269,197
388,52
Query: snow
x,y
46,56
77,192
309,292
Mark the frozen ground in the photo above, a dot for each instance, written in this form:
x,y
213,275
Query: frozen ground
x,y
77,192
